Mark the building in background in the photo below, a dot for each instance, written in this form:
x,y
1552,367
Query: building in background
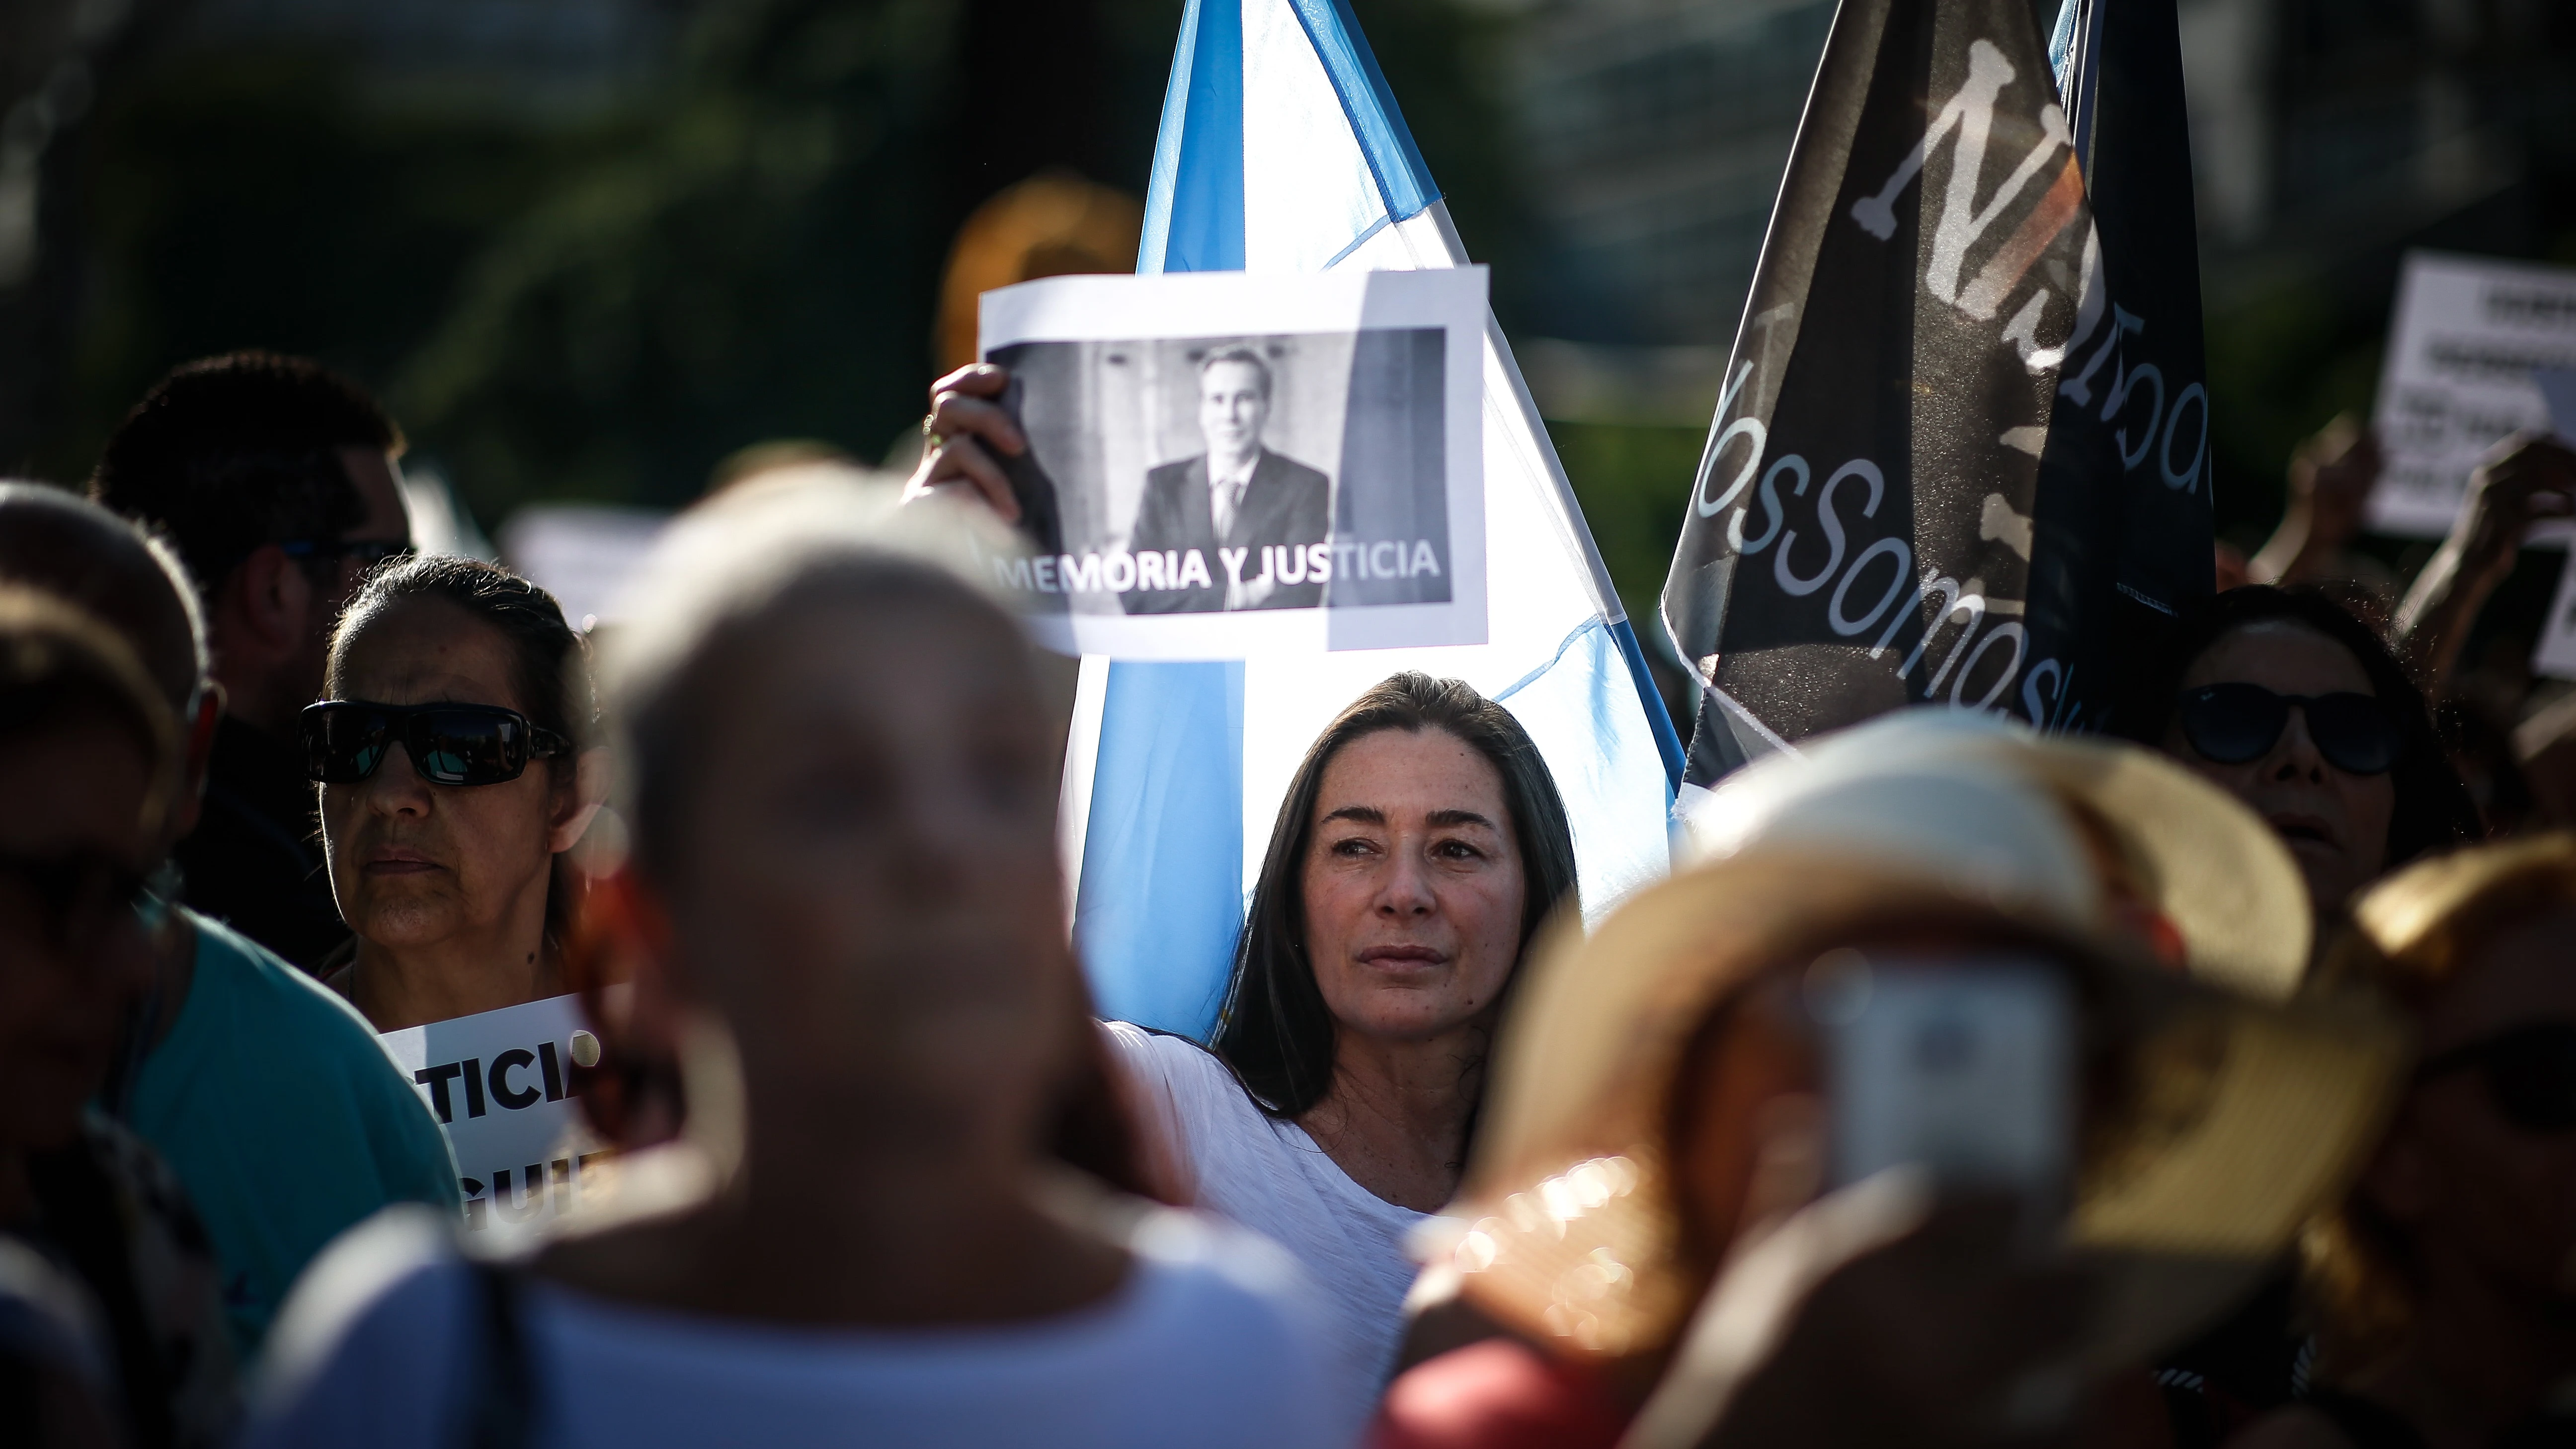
x,y
2327,135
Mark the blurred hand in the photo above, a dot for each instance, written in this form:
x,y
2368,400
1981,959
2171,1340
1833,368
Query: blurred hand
x,y
1878,1315
962,425
2527,477
2338,489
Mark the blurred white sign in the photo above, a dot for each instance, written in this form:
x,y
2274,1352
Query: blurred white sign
x,y
440,523
582,553
2468,334
500,1083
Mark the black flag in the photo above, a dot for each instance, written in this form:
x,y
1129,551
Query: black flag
x,y
1961,453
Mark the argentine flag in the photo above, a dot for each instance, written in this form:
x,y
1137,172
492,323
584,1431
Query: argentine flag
x,y
1282,151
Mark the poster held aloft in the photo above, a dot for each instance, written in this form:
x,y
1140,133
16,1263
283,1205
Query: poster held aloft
x,y
2462,349
1961,451
1224,466
501,1085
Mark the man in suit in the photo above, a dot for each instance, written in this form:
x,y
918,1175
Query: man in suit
x,y
1248,512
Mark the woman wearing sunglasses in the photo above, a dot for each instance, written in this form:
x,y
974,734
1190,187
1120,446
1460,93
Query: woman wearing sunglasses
x,y
449,753
2448,1304
2295,707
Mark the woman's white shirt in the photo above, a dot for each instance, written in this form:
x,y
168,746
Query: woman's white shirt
x,y
1210,1340
1271,1177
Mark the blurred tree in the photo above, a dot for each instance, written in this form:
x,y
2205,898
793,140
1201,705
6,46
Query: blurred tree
x,y
607,304
760,258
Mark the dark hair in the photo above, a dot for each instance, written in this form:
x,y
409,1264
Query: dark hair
x,y
229,453
549,662
1243,355
2433,807
1275,1030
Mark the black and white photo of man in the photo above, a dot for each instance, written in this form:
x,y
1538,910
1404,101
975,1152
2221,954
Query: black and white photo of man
x,y
1233,502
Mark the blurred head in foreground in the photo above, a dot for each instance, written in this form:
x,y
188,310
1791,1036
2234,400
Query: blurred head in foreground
x,y
450,757
2461,1237
1770,1147
839,790
89,765
131,581
2098,836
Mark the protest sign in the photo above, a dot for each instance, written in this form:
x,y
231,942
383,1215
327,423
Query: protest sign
x,y
2458,379
582,553
1961,451
1228,466
500,1083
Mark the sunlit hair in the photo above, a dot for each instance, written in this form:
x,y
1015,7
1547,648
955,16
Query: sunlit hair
x,y
549,660
1275,1030
2413,935
68,546
723,574
59,666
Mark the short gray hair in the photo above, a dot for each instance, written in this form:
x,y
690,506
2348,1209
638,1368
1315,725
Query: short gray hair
x,y
732,567
55,540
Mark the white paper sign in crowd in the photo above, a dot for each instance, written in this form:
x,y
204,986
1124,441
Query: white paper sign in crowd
x,y
2468,335
1225,466
501,1083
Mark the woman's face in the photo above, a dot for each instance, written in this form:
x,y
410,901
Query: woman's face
x,y
1414,886
2475,1190
2335,823
866,889
415,864
67,976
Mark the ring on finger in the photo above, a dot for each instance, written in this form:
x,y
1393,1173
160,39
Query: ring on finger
x,y
930,433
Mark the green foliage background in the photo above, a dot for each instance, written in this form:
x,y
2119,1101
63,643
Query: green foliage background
x,y
603,307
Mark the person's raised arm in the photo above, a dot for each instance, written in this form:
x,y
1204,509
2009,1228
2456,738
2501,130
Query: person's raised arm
x,y
2525,478
962,432
2330,481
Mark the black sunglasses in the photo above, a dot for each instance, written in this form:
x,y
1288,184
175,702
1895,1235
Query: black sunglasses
x,y
2530,1073
449,744
2236,723
84,894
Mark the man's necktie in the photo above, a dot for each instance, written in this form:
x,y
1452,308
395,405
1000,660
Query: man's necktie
x,y
1227,502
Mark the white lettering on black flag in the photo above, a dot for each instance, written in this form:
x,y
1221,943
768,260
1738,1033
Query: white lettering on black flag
x,y
1961,453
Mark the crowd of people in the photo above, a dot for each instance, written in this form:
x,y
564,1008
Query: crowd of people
x,y
2211,1082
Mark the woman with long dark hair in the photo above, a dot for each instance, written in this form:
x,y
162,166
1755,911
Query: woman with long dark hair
x,y
1420,846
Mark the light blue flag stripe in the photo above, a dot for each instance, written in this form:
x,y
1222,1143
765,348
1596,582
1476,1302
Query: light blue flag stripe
x,y
1163,886
1160,900
1668,741
1403,181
